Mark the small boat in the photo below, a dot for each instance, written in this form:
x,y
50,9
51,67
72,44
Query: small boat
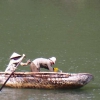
x,y
46,80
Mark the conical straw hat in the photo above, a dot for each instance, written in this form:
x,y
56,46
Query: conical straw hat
x,y
14,55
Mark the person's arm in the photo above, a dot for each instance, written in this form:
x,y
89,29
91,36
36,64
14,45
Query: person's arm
x,y
50,68
25,64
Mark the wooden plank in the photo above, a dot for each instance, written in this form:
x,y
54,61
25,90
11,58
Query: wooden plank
x,y
28,72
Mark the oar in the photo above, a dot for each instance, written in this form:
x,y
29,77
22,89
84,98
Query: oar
x,y
11,74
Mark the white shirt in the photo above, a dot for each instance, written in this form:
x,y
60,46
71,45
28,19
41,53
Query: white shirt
x,y
44,62
12,65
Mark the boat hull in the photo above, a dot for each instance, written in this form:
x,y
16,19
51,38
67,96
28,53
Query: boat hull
x,y
46,80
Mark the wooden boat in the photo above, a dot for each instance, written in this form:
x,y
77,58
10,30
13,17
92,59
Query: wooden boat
x,y
46,80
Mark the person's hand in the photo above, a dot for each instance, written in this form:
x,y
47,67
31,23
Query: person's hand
x,y
28,61
23,55
14,68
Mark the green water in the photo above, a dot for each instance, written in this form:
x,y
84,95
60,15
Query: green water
x,y
66,29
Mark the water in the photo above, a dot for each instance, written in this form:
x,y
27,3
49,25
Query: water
x,y
66,29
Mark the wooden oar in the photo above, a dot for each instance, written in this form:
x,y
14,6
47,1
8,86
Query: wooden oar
x,y
11,74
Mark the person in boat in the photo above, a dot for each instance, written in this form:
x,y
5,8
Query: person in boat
x,y
14,60
38,63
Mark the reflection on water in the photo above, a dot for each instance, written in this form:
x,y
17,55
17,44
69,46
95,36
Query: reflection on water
x,y
35,94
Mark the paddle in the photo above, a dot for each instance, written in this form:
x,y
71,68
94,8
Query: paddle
x,y
11,73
